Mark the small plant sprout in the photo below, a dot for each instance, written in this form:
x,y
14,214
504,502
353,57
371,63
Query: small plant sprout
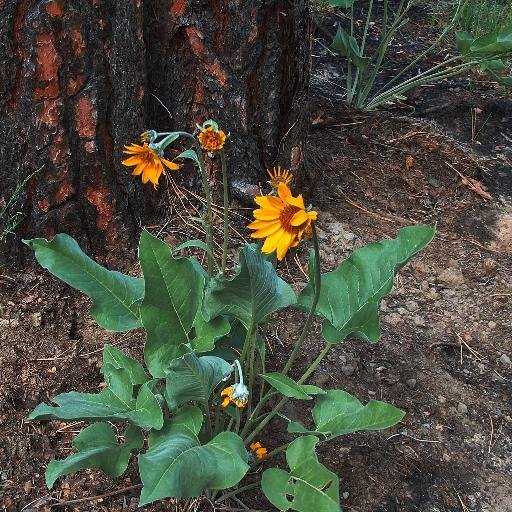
x,y
196,410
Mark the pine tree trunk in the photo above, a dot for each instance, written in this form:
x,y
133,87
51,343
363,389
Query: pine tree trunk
x,y
81,78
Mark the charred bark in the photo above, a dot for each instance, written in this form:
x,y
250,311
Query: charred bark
x,y
83,77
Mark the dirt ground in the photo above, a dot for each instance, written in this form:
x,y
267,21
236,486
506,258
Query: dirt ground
x,y
443,156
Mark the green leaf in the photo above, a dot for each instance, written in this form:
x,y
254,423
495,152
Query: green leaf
x,y
496,68
296,427
252,294
188,419
463,41
346,46
177,465
493,43
308,486
97,448
115,297
229,346
313,390
350,295
286,386
344,4
210,122
148,412
195,243
115,402
208,332
192,378
337,413
115,358
190,154
173,292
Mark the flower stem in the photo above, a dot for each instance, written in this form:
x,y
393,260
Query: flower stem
x,y
225,183
246,346
209,212
206,406
312,367
317,285
255,414
237,491
208,195
273,453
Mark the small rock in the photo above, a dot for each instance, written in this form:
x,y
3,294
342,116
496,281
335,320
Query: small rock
x,y
433,181
411,383
411,305
345,495
12,323
489,265
35,319
419,321
321,378
504,359
424,286
492,324
462,408
452,277
348,369
441,399
393,319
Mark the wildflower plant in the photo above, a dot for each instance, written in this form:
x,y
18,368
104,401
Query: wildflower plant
x,y
488,53
195,411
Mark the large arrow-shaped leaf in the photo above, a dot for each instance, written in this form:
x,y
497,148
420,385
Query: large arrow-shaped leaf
x,y
350,295
207,333
338,412
308,486
177,465
116,401
97,448
116,298
254,292
115,358
194,378
173,292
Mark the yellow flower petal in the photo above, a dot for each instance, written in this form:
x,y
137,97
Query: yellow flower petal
x,y
133,160
266,214
299,218
269,202
266,230
284,244
271,242
170,165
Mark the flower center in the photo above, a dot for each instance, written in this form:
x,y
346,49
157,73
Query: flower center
x,y
286,217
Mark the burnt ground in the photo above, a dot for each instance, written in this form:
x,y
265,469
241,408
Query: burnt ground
x,y
445,351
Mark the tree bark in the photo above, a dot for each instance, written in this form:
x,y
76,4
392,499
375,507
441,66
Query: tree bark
x,y
84,77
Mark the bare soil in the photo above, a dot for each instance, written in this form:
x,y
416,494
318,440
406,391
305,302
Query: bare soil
x,y
445,351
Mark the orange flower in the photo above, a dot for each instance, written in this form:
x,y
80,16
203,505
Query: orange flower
x,y
211,139
147,162
237,394
259,450
277,176
282,220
